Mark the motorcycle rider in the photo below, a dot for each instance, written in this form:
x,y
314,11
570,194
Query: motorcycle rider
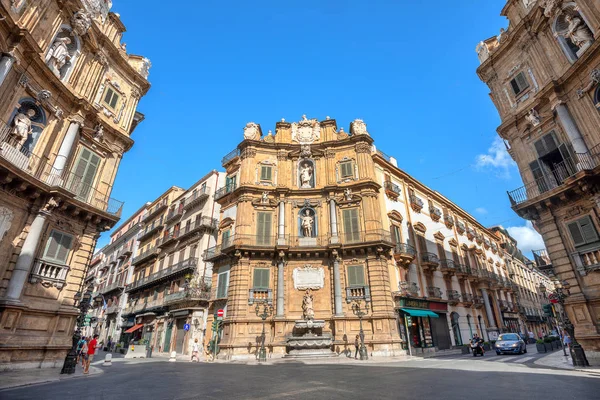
x,y
478,341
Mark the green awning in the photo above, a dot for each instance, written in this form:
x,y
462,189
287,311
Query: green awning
x,y
414,312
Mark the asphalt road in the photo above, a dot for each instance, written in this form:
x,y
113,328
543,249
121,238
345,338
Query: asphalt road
x,y
457,377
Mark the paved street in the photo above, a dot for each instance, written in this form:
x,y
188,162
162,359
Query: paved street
x,y
452,377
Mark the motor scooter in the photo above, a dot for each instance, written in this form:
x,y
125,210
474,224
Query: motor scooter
x,y
477,349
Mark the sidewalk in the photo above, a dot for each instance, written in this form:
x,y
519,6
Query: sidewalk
x,y
316,361
26,377
558,360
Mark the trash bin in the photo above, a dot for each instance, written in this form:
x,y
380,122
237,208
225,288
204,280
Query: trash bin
x,y
149,352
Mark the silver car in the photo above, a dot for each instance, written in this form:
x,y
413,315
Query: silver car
x,y
510,343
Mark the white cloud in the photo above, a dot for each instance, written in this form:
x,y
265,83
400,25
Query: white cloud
x,y
496,158
481,210
527,238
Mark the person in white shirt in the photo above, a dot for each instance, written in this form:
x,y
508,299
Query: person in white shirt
x,y
195,351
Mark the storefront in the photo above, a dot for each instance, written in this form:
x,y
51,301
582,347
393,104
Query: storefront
x,y
511,322
423,324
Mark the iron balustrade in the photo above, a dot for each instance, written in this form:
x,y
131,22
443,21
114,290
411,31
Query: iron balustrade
x,y
187,264
392,187
173,214
555,177
154,211
167,238
453,296
430,258
408,289
197,197
447,265
434,292
449,220
416,201
460,227
230,156
542,258
478,301
152,252
211,253
434,211
225,190
366,236
112,286
404,248
190,293
49,273
467,298
150,230
383,155
201,223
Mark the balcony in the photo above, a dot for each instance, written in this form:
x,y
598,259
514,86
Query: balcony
x,y
471,233
587,261
357,293
224,191
474,275
478,301
173,214
154,211
416,203
461,270
205,223
300,241
361,238
434,292
555,181
188,265
460,227
190,294
111,287
429,261
125,251
49,273
407,289
197,197
486,243
448,267
467,299
542,259
484,275
453,297
212,253
392,190
260,295
167,239
231,156
151,230
146,256
503,304
404,254
143,306
448,221
435,213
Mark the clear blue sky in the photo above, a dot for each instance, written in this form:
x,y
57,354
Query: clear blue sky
x,y
408,70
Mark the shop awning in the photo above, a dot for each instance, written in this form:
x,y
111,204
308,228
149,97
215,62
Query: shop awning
x,y
414,312
134,328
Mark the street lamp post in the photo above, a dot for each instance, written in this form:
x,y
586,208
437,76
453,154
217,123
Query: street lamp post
x,y
267,311
83,303
560,294
360,313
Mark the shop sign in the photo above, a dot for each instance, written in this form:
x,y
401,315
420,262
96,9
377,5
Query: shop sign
x,y
510,315
413,303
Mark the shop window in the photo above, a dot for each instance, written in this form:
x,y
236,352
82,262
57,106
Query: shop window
x,y
261,278
58,247
356,275
583,232
263,228
519,83
222,285
351,225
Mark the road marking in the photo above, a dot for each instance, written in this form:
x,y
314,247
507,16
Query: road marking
x,y
524,359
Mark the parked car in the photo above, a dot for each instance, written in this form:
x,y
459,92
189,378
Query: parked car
x,y
510,343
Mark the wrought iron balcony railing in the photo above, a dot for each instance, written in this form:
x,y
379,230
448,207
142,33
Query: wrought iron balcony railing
x,y
430,258
154,211
467,298
408,289
225,190
185,265
392,188
197,197
447,265
453,296
145,256
232,155
434,292
202,223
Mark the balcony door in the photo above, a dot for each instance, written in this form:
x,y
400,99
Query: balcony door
x,y
556,162
82,180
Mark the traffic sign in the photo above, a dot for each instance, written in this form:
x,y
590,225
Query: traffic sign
x,y
186,327
220,313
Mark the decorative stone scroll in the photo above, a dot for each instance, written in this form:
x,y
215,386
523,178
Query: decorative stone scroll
x,y
309,277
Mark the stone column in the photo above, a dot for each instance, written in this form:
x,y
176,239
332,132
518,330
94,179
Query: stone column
x,y
571,128
337,286
66,148
6,63
281,230
27,256
333,221
488,309
280,288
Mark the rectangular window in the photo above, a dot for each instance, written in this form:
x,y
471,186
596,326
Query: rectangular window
x,y
441,252
58,247
347,169
266,173
261,278
351,225
583,231
82,179
519,83
422,244
225,242
356,275
263,228
222,285
396,237
230,183
111,98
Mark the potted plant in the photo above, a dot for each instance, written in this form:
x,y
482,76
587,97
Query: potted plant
x,y
486,346
539,345
466,349
548,344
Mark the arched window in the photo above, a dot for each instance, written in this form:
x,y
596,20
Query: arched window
x,y
63,53
572,31
27,123
456,328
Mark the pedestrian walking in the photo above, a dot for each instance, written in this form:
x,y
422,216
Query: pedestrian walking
x,y
356,346
84,353
195,351
91,351
567,341
80,344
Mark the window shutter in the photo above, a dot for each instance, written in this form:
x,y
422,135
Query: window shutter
x,y
515,86
261,278
441,252
222,285
576,233
422,244
588,229
58,246
263,227
85,172
52,246
455,257
521,81
113,101
346,169
536,170
356,275
396,234
265,173
108,96
351,225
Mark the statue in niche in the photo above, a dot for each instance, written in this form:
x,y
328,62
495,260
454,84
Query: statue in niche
x,y
533,117
307,306
22,128
99,133
307,224
59,54
265,198
348,194
578,31
306,174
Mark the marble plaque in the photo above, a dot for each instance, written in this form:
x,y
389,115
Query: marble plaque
x,y
308,277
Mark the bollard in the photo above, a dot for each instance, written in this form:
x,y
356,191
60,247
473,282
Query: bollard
x,y
108,360
173,356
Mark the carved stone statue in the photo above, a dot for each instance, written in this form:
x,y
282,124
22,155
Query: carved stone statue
x,y
306,173
307,306
307,224
50,205
99,133
81,22
348,194
359,127
59,54
533,117
251,131
265,198
578,31
22,128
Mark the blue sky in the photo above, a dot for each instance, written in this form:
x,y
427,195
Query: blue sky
x,y
408,70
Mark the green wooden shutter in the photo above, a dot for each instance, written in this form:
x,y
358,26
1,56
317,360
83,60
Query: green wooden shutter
x,y
351,226
576,233
263,228
588,229
108,96
225,238
222,285
58,246
85,172
396,234
346,169
356,275
113,101
261,278
265,173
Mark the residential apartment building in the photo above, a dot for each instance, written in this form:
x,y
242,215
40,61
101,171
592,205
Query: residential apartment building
x,y
171,284
315,208
544,80
68,98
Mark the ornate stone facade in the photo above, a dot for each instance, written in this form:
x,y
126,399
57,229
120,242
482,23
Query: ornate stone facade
x,y
544,82
56,173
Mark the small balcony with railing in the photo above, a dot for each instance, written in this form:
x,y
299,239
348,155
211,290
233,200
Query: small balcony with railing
x,y
448,221
168,238
416,203
429,261
224,191
542,259
197,197
118,285
392,190
151,229
230,157
503,304
360,238
260,295
186,266
193,292
404,254
587,260
478,301
147,255
407,289
453,297
467,299
461,270
448,267
174,214
435,213
358,293
156,210
474,275
125,251
49,273
203,223
460,227
434,292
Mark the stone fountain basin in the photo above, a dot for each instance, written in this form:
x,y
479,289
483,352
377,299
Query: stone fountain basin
x,y
310,342
310,324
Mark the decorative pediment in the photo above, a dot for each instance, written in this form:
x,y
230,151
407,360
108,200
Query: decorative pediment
x,y
464,247
395,216
419,227
452,242
305,151
439,236
264,202
308,203
226,222
348,199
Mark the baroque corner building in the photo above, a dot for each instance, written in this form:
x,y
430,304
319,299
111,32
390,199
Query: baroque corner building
x,y
68,99
544,77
